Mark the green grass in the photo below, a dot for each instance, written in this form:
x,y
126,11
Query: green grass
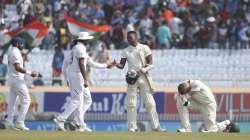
x,y
43,135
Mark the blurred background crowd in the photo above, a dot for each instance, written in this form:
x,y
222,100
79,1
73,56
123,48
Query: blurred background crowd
x,y
162,24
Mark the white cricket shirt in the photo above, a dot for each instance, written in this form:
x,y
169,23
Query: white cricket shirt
x,y
132,54
14,56
201,92
78,51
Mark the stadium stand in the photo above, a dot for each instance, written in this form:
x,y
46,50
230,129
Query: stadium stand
x,y
216,67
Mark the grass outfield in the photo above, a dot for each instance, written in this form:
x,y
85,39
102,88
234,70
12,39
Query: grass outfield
x,y
43,135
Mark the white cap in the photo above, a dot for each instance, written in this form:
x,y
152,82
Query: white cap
x,y
84,36
210,19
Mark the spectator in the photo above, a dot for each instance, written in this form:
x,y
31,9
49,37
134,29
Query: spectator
x,y
3,71
24,6
222,36
163,36
57,66
244,35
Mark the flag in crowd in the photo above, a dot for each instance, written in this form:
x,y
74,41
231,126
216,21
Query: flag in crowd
x,y
76,26
33,33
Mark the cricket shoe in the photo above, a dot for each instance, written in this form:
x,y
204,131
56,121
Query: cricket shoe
x,y
159,129
59,124
9,125
183,130
132,130
80,129
84,129
21,126
87,129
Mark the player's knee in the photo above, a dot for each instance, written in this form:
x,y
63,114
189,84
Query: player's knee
x,y
149,101
75,102
26,100
131,102
150,105
178,100
88,102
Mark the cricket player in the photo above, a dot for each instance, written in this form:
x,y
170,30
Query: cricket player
x,y
18,87
77,80
139,58
86,95
195,95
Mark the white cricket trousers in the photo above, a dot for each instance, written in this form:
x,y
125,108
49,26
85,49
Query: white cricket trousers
x,y
87,103
144,90
18,88
76,85
208,112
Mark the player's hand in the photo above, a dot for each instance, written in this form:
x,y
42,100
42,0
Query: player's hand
x,y
139,72
86,84
111,65
34,74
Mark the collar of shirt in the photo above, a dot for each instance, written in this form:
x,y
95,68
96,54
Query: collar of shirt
x,y
134,47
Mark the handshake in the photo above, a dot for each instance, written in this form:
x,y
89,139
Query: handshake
x,y
34,74
111,65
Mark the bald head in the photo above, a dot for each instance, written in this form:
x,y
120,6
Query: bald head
x,y
184,88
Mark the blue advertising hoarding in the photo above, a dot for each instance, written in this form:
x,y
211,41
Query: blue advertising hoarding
x,y
103,102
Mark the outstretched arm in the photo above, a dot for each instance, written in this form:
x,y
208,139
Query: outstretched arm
x,y
22,70
97,65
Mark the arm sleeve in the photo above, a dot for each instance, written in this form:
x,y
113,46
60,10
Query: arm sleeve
x,y
65,68
147,51
80,52
195,87
123,54
15,58
148,67
94,64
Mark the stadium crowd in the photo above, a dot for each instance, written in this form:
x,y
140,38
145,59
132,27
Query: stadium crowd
x,y
162,24
159,23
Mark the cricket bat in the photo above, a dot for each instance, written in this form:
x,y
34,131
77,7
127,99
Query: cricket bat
x,y
148,78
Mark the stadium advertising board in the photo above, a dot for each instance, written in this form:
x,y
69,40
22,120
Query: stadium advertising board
x,y
36,105
226,103
105,102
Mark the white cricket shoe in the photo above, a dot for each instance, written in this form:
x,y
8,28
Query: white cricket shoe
x,y
183,130
21,126
9,125
159,129
59,124
80,129
132,130
84,129
87,129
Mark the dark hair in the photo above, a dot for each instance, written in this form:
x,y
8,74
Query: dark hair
x,y
73,43
17,41
182,88
131,32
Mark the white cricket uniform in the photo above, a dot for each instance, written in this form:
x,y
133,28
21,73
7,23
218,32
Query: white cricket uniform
x,y
18,87
201,100
132,54
86,95
76,83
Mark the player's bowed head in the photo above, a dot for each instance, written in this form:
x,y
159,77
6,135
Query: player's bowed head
x,y
184,87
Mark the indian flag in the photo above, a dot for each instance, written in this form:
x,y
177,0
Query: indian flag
x,y
76,26
33,33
